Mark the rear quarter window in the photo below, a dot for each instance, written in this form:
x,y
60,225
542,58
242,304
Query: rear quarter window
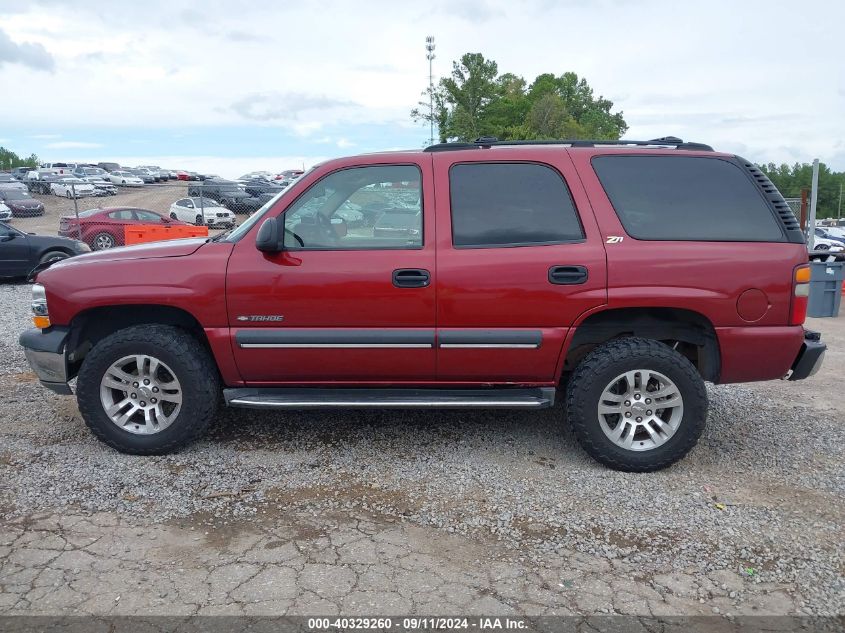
x,y
686,198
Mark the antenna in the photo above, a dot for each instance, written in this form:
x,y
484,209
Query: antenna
x,y
429,48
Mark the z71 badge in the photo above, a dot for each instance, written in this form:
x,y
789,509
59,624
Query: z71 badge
x,y
261,318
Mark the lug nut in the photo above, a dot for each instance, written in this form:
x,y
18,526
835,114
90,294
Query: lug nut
x,y
638,419
627,403
636,396
153,400
648,412
146,381
155,389
143,404
627,414
135,384
133,396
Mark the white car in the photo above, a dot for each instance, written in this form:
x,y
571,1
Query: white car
x,y
72,188
8,182
194,209
823,244
101,187
126,179
5,213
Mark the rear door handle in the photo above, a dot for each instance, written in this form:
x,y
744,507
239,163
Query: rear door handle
x,y
411,278
567,275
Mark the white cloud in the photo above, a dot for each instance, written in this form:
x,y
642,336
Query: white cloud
x,y
73,145
344,143
44,137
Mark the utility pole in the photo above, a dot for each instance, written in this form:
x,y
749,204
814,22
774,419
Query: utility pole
x,y
429,48
839,210
814,197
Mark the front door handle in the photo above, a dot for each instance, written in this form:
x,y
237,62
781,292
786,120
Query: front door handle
x,y
411,278
567,275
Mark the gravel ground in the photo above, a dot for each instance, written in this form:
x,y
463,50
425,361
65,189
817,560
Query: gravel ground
x,y
749,522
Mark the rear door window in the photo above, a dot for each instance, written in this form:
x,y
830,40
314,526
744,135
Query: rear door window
x,y
510,204
686,198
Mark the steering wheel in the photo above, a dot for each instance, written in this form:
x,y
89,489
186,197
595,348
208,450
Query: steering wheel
x,y
296,237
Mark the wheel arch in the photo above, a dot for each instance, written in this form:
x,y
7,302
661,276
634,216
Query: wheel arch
x,y
93,325
688,331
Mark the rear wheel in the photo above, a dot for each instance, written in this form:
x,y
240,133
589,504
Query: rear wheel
x,y
172,216
198,220
148,389
102,241
636,404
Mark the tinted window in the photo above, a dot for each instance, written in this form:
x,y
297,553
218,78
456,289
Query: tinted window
x,y
147,216
686,198
124,214
363,208
511,204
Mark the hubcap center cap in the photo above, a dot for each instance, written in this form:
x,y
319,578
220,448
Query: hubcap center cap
x,y
638,408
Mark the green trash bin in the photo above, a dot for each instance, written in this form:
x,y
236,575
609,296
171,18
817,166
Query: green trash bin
x,y
825,288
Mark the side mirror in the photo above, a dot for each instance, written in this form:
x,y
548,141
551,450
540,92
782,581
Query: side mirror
x,y
267,240
5,237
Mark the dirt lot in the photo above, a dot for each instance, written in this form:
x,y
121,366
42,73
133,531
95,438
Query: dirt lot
x,y
156,197
420,512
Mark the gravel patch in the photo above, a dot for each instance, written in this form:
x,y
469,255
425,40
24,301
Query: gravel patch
x,y
761,495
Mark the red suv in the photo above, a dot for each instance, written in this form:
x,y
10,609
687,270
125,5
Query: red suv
x,y
615,276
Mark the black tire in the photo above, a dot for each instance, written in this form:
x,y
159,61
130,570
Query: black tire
x,y
595,373
173,216
97,247
198,220
191,364
53,256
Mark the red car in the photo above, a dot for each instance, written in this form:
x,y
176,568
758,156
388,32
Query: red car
x,y
105,228
616,275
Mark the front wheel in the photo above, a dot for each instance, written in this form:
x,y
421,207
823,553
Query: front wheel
x,y
636,404
148,389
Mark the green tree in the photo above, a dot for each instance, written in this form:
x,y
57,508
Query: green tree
x,y
475,101
791,179
10,160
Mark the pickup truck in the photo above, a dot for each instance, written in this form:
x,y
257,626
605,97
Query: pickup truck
x,y
616,277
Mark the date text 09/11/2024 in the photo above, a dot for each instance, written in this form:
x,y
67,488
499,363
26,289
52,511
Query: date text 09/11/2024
x,y
417,623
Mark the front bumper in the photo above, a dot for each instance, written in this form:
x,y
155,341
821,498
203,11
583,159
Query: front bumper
x,y
810,358
46,353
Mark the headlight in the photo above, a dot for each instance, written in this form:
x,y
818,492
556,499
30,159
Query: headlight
x,y
40,315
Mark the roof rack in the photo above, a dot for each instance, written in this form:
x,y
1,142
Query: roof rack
x,y
485,142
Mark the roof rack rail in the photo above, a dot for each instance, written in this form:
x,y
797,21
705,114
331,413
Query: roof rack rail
x,y
485,142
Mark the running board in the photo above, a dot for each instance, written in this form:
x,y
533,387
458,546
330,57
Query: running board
x,y
317,398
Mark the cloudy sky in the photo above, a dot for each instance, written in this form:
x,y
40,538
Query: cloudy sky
x,y
230,87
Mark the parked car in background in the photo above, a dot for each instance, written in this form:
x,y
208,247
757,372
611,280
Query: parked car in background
x,y
72,188
398,223
39,182
144,174
85,172
101,186
827,234
289,174
109,167
21,203
125,179
105,228
5,212
186,175
257,186
57,168
7,181
228,193
21,252
266,175
20,173
194,209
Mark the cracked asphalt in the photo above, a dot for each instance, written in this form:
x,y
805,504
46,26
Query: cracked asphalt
x,y
422,513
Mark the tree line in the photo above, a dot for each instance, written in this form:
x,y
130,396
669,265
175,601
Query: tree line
x,y
475,100
791,179
10,160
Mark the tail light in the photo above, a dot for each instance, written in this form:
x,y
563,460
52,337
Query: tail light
x,y
800,295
